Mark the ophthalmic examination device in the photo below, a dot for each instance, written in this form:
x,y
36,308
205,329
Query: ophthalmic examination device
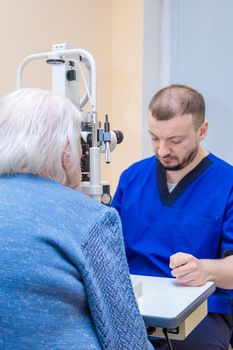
x,y
69,70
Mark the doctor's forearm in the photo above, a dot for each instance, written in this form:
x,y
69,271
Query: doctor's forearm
x,y
219,271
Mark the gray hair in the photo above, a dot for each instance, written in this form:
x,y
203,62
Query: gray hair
x,y
35,128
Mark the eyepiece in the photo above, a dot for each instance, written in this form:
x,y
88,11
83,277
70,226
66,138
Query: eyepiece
x,y
119,136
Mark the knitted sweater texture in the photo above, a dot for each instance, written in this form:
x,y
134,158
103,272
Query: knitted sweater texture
x,y
64,280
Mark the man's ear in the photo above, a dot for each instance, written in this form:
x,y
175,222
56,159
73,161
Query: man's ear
x,y
66,158
203,130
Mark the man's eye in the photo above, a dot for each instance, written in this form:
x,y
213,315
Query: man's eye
x,y
176,142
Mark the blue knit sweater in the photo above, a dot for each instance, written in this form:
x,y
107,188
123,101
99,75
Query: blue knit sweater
x,y
64,280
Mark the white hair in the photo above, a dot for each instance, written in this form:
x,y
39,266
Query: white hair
x,y
35,128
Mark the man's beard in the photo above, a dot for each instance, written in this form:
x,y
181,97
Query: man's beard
x,y
186,161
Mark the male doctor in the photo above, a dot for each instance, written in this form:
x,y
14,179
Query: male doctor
x,y
177,211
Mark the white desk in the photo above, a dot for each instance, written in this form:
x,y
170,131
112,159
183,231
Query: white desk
x,y
166,304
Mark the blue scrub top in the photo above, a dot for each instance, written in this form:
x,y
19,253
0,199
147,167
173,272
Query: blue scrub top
x,y
195,218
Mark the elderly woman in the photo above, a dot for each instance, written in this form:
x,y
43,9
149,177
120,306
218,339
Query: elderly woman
x,y
64,281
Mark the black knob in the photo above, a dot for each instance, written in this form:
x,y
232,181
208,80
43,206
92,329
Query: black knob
x,y
119,135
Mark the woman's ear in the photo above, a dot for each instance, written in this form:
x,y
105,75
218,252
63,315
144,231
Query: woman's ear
x,y
73,173
66,158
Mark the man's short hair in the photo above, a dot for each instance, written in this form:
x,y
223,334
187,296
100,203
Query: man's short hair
x,y
178,99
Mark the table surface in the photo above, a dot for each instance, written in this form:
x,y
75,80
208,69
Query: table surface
x,y
166,303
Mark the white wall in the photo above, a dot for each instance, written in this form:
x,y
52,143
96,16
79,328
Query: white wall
x,y
196,49
202,56
151,64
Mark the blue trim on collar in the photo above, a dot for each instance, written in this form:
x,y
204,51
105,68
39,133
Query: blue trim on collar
x,y
169,199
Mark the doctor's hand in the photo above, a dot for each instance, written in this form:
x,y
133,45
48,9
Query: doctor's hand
x,y
188,270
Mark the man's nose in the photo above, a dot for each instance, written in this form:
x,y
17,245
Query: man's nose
x,y
163,150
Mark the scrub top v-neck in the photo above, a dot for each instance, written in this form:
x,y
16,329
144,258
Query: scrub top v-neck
x,y
195,218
